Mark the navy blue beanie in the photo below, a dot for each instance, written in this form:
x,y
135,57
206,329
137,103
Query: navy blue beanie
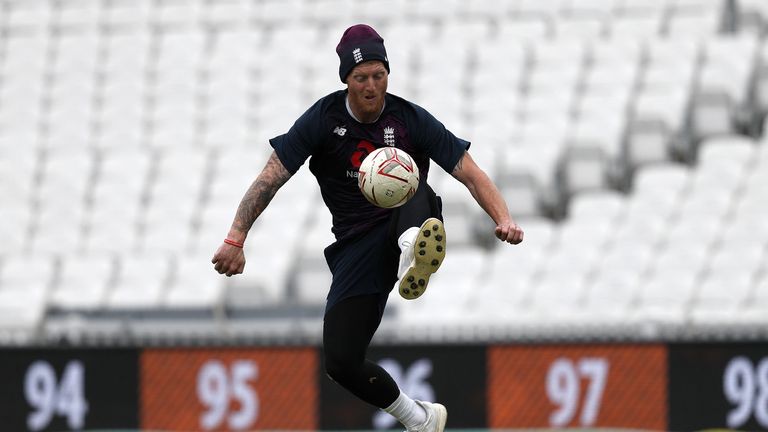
x,y
358,44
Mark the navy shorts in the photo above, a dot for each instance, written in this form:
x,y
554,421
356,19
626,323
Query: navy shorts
x,y
367,263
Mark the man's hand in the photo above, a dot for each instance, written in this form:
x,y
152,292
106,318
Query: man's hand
x,y
488,196
509,232
229,260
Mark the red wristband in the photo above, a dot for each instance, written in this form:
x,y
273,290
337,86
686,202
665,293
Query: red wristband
x,y
233,243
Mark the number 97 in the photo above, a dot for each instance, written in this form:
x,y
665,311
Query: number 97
x,y
564,387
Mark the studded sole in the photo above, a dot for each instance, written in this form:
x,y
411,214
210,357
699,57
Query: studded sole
x,y
429,253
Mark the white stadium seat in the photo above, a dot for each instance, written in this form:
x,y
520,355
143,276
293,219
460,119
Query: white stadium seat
x,y
611,294
15,274
756,309
83,282
525,28
18,173
194,285
140,282
702,20
602,206
636,25
511,270
665,297
720,298
581,26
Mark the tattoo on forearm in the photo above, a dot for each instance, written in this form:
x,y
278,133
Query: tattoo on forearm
x,y
261,192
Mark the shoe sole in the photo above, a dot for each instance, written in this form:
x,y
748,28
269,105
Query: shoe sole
x,y
428,253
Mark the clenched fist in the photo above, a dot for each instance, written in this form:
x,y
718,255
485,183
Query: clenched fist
x,y
509,232
229,260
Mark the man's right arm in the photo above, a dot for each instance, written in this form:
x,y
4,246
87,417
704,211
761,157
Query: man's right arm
x,y
259,194
230,259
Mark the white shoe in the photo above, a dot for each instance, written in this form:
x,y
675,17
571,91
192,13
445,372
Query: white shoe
x,y
422,257
436,417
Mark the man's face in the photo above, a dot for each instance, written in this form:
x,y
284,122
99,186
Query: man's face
x,y
367,85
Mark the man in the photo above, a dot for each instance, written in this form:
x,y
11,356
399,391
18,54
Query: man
x,y
336,133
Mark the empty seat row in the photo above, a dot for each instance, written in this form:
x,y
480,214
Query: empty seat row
x,y
173,14
130,130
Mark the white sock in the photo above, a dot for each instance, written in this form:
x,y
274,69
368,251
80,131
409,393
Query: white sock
x,y
405,241
407,237
407,411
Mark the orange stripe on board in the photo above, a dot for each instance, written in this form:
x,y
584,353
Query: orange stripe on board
x,y
578,385
283,394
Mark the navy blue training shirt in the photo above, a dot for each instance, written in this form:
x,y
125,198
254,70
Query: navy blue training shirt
x,y
336,144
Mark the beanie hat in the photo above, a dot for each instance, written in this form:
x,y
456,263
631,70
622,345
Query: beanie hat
x,y
358,44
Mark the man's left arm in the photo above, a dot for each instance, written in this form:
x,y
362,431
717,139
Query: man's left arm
x,y
488,196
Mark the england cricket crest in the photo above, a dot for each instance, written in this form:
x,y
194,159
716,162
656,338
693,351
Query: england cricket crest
x,y
389,136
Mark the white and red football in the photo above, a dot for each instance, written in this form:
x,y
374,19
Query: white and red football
x,y
388,177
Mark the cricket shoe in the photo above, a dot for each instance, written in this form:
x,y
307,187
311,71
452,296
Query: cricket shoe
x,y
436,417
422,257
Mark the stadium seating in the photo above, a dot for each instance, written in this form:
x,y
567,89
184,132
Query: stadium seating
x,y
628,138
24,295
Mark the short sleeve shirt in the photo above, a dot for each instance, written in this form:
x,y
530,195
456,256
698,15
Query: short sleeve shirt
x,y
335,144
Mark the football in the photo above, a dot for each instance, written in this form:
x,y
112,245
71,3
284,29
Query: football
x,y
388,177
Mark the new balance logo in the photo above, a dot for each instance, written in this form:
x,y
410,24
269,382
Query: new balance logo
x,y
340,131
358,55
